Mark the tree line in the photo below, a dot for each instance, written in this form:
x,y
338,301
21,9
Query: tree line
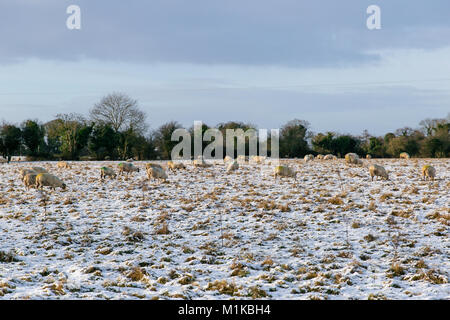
x,y
116,129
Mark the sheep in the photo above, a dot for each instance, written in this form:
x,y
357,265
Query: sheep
x,y
368,156
428,172
227,159
404,155
232,166
379,171
156,173
352,158
329,157
152,165
127,167
258,159
242,158
308,157
39,169
319,156
284,171
105,171
30,180
200,163
63,165
49,180
175,165
3,160
24,172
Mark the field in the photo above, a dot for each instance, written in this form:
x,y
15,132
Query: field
x,y
205,234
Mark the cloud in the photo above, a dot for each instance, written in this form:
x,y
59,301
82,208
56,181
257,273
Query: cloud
x,y
291,33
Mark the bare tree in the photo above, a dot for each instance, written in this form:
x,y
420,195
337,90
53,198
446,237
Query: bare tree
x,y
121,112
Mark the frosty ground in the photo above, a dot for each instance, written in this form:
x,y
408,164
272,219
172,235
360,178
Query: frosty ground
x,y
205,234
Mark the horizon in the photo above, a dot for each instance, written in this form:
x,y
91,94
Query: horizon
x,y
263,63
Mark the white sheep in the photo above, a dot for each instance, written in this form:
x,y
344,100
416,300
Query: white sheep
x,y
378,171
319,156
30,180
127,167
242,158
352,158
258,159
63,165
175,165
227,159
49,180
308,157
39,169
428,172
105,171
404,155
152,165
200,163
24,172
329,157
156,173
284,171
232,166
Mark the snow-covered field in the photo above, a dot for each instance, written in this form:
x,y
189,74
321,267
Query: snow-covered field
x,y
205,234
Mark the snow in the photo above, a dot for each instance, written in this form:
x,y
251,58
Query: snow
x,y
332,234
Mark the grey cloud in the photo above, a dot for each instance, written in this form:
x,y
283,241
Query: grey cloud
x,y
289,33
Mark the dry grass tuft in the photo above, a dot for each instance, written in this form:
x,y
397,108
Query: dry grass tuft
x,y
223,287
336,201
256,293
163,230
136,274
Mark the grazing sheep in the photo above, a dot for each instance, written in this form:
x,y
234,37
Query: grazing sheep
x,y
404,155
227,159
49,180
105,171
379,171
175,165
200,163
308,157
39,169
329,157
63,165
127,167
352,158
30,180
319,156
232,166
428,172
284,171
24,172
156,173
368,156
242,158
258,159
152,165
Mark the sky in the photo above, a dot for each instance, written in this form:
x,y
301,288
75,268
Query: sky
x,y
256,61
